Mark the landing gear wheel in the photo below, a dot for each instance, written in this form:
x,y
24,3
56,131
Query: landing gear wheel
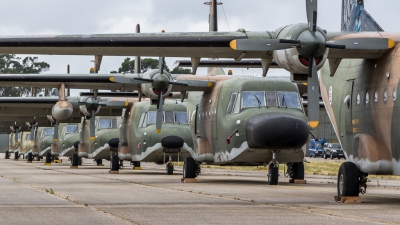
x,y
189,168
325,156
297,172
348,180
80,161
170,168
273,174
114,163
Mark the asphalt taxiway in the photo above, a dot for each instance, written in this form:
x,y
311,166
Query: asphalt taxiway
x,y
31,193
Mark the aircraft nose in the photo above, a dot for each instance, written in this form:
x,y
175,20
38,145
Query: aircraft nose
x,y
172,142
276,131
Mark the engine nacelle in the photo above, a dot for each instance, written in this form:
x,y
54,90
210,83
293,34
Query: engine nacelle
x,y
148,89
62,110
290,59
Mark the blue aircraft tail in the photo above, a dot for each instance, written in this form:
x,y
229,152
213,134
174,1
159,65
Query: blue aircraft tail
x,y
356,18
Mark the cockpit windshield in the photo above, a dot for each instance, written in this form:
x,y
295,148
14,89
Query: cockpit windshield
x,y
168,117
253,99
107,123
48,132
181,117
338,146
288,99
70,129
258,99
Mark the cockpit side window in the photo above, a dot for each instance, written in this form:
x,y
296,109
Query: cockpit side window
x,y
271,98
236,108
252,99
231,103
142,119
169,117
288,99
181,117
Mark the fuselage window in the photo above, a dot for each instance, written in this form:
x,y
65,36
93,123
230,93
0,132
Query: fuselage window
x,y
70,129
231,102
169,117
358,99
347,101
366,99
252,99
288,99
385,96
271,98
236,108
181,117
394,94
376,97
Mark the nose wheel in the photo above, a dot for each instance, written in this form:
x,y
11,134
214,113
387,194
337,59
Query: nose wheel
x,y
273,170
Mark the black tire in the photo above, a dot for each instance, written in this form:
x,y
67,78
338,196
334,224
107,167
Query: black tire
x,y
189,168
331,156
298,171
170,169
80,161
114,163
273,174
324,155
347,182
315,155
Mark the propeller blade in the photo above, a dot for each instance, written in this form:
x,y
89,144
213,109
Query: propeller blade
x,y
114,104
160,115
128,80
362,43
55,134
161,64
92,127
32,131
262,45
311,7
313,95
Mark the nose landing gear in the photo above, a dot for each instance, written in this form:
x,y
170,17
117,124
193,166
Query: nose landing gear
x,y
273,170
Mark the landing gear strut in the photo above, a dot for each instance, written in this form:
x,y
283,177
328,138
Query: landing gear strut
x,y
351,182
273,170
170,167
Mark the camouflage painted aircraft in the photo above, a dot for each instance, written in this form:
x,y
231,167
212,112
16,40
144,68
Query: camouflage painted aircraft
x,y
139,140
42,142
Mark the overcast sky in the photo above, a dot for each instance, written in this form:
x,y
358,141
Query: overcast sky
x,y
20,17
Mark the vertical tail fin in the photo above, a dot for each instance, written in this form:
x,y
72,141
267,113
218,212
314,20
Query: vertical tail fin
x,y
356,18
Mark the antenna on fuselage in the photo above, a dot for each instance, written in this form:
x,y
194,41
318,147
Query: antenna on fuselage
x,y
137,68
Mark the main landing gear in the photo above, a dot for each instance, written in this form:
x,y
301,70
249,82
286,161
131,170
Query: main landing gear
x,y
351,182
191,169
295,171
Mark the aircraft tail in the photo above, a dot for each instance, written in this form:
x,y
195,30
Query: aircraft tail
x,y
356,18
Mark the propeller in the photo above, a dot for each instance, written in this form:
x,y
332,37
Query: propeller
x,y
32,127
92,106
55,134
311,45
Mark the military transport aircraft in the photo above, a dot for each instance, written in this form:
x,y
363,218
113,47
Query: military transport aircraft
x,y
139,140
